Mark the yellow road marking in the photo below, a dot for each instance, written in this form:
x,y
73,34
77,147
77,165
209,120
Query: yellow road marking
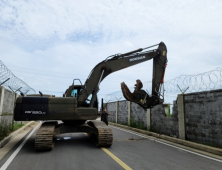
x,y
126,167
116,159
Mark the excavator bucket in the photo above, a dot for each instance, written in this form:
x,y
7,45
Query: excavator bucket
x,y
126,92
139,96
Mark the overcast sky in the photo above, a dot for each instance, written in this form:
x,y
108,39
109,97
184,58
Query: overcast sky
x,y
49,43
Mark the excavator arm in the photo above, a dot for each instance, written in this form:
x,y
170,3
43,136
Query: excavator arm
x,y
121,61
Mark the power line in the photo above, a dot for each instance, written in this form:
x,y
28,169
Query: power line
x,y
41,71
38,73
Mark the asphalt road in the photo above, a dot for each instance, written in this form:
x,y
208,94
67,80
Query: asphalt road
x,y
76,151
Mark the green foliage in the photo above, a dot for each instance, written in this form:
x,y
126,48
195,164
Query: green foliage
x,y
136,124
6,130
168,111
149,128
6,114
17,125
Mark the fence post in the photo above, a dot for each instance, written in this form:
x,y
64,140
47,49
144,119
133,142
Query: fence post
x,y
181,116
129,112
117,109
148,118
2,93
16,96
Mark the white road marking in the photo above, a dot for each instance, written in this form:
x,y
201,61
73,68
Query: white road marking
x,y
10,159
218,160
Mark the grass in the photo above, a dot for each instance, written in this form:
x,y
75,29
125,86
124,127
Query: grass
x,y
137,124
17,126
6,114
168,114
6,130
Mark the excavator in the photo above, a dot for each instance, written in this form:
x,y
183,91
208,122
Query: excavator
x,y
78,108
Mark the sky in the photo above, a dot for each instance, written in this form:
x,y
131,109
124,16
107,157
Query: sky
x,y
49,43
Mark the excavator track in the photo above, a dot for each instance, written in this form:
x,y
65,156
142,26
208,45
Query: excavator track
x,y
104,136
44,136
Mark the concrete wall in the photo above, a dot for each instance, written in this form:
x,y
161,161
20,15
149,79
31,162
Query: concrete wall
x,y
196,117
139,115
8,102
111,108
122,112
162,124
6,122
203,114
7,99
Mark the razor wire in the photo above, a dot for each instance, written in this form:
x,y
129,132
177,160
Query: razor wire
x,y
10,81
206,81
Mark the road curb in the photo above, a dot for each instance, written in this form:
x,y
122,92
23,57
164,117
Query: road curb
x,y
202,147
13,134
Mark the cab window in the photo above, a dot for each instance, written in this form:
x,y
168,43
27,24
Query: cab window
x,y
74,93
89,99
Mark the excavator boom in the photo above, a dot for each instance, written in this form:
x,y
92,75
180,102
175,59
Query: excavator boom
x,y
118,62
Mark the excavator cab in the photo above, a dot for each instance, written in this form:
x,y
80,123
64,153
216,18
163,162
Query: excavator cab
x,y
74,91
